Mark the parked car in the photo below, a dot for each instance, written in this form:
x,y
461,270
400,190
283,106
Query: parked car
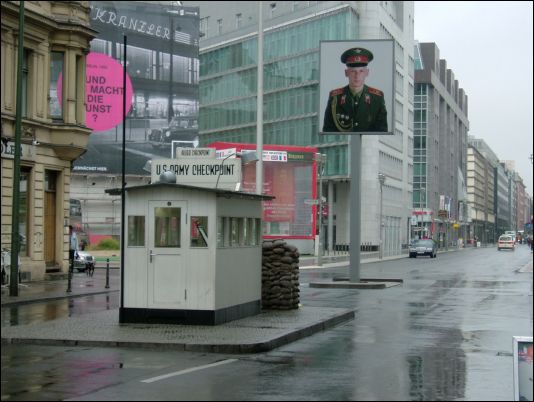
x,y
506,242
424,247
83,260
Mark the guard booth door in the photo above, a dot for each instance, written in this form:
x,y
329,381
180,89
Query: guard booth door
x,y
167,257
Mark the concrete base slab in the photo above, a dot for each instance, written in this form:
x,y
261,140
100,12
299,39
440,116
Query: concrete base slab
x,y
338,284
268,330
346,279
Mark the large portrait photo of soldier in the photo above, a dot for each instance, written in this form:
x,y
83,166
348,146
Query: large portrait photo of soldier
x,y
356,87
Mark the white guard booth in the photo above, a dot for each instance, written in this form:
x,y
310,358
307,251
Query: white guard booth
x,y
192,254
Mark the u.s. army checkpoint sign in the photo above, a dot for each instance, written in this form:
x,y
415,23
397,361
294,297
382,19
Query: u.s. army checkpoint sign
x,y
202,172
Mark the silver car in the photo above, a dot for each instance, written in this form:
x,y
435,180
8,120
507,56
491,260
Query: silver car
x,y
83,260
424,247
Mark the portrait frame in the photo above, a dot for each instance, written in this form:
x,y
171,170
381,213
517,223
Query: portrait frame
x,y
522,353
381,76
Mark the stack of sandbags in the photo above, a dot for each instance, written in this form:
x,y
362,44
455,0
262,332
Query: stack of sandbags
x,y
280,276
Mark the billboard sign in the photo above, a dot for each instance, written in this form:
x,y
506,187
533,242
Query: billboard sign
x,y
103,92
356,89
289,174
201,172
522,351
162,94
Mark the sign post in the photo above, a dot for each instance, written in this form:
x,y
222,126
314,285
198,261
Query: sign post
x,y
356,98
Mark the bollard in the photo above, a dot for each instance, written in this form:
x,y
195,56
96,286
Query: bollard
x,y
107,274
69,289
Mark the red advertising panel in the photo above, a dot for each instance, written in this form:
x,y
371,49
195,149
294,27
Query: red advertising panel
x,y
289,174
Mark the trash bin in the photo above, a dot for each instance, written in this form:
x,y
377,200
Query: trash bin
x,y
478,244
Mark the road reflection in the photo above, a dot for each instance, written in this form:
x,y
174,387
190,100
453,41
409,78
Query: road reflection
x,y
53,310
436,373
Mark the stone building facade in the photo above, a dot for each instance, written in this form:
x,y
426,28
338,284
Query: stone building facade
x,y
56,41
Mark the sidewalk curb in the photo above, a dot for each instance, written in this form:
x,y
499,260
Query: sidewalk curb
x,y
279,338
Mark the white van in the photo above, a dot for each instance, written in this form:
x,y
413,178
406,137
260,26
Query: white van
x,y
510,233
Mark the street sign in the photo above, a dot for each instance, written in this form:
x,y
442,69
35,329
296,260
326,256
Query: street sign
x,y
311,202
200,172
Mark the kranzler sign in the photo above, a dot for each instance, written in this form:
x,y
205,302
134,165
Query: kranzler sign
x,y
163,67
202,172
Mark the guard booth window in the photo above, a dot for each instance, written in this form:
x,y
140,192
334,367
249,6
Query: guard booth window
x,y
136,231
199,231
167,227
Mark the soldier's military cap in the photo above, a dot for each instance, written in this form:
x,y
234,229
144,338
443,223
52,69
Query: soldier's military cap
x,y
356,57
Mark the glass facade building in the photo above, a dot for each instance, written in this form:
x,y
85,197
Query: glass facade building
x,y
292,35
440,150
228,88
420,145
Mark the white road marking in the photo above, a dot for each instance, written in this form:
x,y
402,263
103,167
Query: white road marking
x,y
190,370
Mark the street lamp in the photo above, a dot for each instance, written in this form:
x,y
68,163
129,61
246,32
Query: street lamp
x,y
321,161
247,157
382,180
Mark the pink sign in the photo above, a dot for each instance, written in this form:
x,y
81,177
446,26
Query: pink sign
x,y
103,92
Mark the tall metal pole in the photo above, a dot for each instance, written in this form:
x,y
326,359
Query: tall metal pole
x,y
15,239
330,215
355,206
259,105
421,191
381,179
123,181
320,160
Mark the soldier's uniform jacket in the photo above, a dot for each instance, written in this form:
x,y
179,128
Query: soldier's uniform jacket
x,y
351,114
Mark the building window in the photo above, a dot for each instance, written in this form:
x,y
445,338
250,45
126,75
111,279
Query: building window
x,y
136,231
167,222
24,202
238,20
219,26
199,231
234,232
80,89
204,27
273,9
25,74
56,69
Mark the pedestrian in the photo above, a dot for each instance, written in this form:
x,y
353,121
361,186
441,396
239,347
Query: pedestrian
x,y
356,107
73,247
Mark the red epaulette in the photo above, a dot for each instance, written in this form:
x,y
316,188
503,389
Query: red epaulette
x,y
336,92
375,91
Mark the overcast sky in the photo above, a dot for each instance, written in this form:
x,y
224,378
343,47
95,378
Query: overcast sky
x,y
488,46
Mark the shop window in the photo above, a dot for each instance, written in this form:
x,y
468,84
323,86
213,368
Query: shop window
x,y
136,231
199,231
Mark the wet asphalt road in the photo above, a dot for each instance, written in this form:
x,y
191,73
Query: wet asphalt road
x,y
444,334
